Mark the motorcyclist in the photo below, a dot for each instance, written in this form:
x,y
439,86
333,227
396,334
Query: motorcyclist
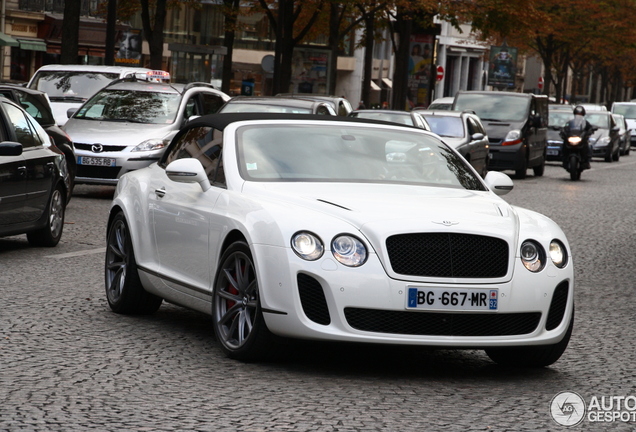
x,y
578,126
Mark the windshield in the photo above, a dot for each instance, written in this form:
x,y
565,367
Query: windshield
x,y
598,120
629,111
249,107
559,118
349,154
451,127
494,107
400,118
71,85
132,106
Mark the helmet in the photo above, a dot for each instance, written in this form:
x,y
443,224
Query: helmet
x,y
579,110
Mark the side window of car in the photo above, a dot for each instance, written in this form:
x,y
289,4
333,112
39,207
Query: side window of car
x,y
191,107
30,106
205,144
211,103
25,134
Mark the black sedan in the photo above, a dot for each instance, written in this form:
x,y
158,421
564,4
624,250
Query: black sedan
x,y
605,143
32,172
36,103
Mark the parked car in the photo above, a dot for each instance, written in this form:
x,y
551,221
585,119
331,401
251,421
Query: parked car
x,y
516,124
339,104
556,120
444,103
605,142
464,132
276,104
128,124
337,229
32,179
628,110
69,86
624,134
409,118
36,103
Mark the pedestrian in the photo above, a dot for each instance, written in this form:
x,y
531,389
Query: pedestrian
x,y
361,105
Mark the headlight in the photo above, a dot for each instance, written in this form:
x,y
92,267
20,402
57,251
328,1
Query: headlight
x,y
348,250
604,140
574,140
532,256
558,254
513,137
307,245
151,144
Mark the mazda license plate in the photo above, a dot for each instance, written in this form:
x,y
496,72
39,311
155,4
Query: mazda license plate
x,y
96,161
452,299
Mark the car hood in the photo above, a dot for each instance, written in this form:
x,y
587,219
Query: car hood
x,y
455,142
114,133
498,130
554,134
378,211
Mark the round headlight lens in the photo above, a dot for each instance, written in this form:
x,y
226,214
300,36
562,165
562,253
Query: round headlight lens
x,y
349,251
307,245
558,254
532,256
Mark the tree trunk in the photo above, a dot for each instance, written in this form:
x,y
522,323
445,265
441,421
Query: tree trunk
x,y
70,32
231,12
154,33
404,26
368,58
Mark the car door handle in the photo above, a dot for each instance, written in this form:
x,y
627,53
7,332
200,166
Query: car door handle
x,y
22,171
160,192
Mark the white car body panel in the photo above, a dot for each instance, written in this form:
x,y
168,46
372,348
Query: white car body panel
x,y
179,238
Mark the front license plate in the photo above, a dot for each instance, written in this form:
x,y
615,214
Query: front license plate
x,y
452,299
96,161
552,152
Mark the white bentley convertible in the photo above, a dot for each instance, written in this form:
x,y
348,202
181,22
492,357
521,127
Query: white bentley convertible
x,y
316,227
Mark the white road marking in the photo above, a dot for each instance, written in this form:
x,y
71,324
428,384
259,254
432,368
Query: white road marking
x,y
78,253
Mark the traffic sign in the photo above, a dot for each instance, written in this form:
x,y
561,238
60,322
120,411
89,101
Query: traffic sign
x,y
440,73
540,83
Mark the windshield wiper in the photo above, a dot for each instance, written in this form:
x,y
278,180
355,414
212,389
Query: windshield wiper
x,y
123,120
489,119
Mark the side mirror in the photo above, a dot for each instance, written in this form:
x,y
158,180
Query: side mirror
x,y
498,182
477,136
188,170
10,148
70,112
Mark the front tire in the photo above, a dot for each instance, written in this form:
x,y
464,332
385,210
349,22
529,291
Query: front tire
x,y
539,169
236,310
532,356
575,169
124,291
51,234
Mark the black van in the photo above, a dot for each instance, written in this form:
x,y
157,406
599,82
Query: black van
x,y
516,124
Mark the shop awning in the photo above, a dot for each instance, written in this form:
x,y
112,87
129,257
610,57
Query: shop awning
x,y
374,86
6,40
387,82
32,44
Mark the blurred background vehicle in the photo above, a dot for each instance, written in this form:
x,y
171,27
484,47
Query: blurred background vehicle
x,y
36,103
624,134
558,116
444,103
277,104
628,110
605,143
340,105
69,86
409,118
128,124
464,132
33,186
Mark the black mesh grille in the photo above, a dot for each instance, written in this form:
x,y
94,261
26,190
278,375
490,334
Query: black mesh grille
x,y
313,299
557,306
105,148
442,324
97,172
448,255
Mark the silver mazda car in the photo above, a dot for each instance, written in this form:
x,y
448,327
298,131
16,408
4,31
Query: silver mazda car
x,y
127,125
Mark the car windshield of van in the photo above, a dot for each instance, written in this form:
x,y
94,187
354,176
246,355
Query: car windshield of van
x,y
71,85
601,121
494,107
131,106
629,111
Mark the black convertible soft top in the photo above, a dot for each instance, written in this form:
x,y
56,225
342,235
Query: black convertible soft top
x,y
222,120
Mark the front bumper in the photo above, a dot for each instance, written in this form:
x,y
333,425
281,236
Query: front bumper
x,y
554,151
124,162
327,301
510,157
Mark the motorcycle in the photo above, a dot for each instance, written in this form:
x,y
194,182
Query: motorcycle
x,y
575,137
